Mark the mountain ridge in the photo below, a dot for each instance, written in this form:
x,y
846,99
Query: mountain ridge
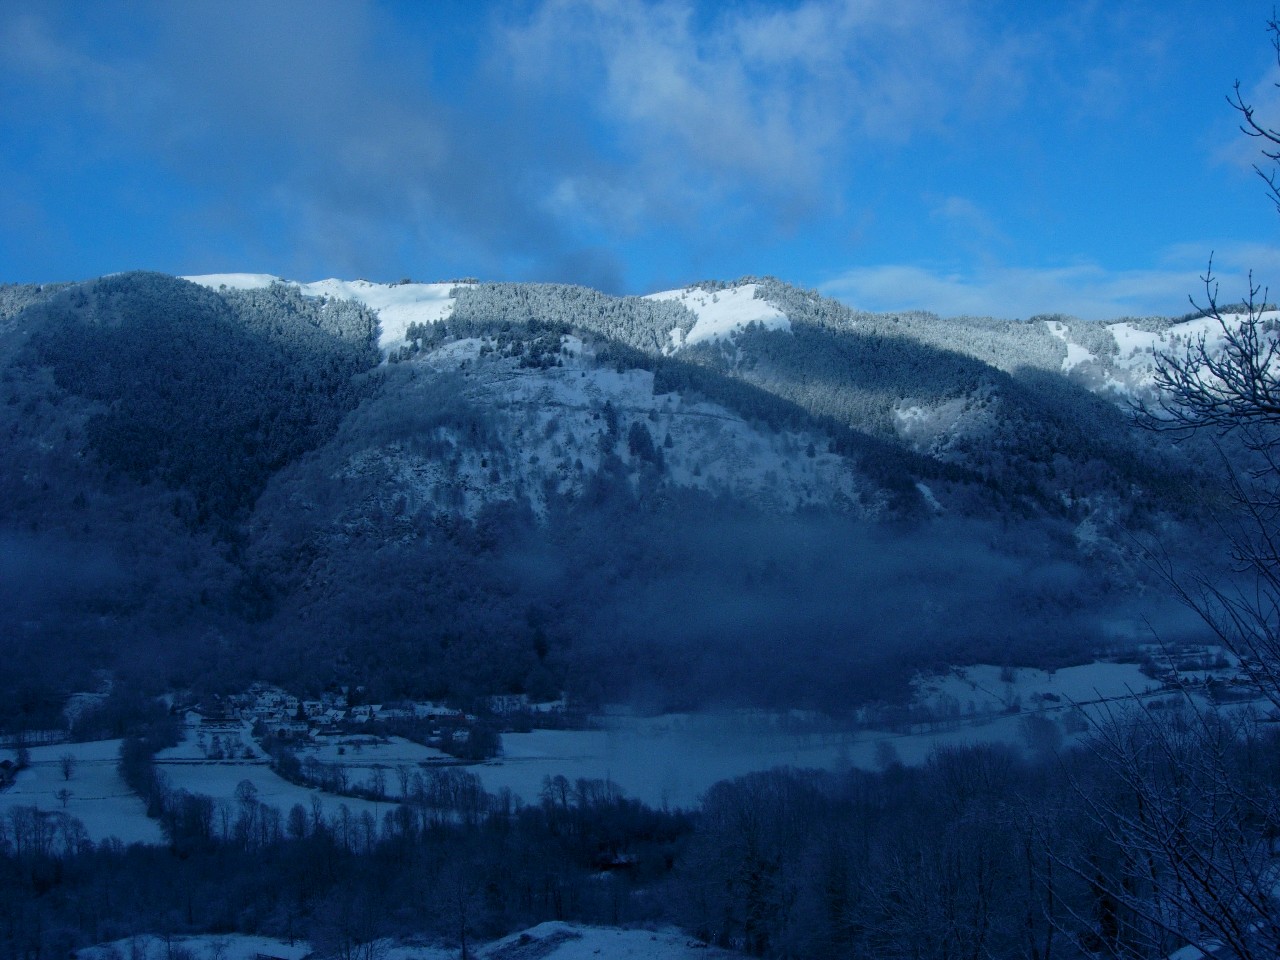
x,y
467,488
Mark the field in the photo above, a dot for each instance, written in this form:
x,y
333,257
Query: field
x,y
363,755
672,760
96,794
665,761
187,767
546,941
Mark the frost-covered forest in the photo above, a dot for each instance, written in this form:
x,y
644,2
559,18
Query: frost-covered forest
x,y
544,491
547,489
1004,854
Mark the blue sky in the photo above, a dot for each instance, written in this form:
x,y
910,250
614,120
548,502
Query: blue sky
x,y
987,158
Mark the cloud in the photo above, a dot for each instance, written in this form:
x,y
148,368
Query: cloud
x,y
972,226
319,135
1086,290
707,105
598,141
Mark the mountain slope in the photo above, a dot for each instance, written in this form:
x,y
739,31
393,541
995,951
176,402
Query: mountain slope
x,y
738,492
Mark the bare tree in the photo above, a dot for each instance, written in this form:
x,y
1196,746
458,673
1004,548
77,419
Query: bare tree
x,y
1227,383
1228,386
1252,126
1180,847
67,764
1184,820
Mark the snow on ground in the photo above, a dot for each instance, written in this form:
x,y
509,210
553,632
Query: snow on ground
x,y
186,768
568,941
236,281
219,780
98,797
397,304
980,689
221,744
362,756
927,492
554,418
1138,347
722,313
667,761
672,760
230,946
1076,354
547,941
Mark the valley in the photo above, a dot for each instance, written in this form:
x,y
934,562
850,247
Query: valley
x,y
665,761
351,611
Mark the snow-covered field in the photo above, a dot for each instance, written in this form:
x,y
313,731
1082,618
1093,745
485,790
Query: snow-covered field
x,y
220,781
363,756
546,941
672,760
185,768
668,760
980,689
97,797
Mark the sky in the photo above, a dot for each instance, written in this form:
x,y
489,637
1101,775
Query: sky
x,y
989,158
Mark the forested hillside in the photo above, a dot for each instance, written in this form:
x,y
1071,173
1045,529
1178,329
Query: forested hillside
x,y
542,488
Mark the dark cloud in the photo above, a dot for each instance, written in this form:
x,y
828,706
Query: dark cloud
x,y
313,129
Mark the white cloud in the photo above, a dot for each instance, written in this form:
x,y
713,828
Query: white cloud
x,y
973,226
759,98
1085,290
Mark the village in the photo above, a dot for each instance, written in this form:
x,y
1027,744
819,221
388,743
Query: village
x,y
266,717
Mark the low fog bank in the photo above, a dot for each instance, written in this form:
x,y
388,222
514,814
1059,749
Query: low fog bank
x,y
832,614
676,608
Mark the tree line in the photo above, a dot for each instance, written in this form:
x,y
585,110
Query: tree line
x,y
981,851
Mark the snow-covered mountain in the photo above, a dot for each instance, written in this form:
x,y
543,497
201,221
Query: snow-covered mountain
x,y
473,487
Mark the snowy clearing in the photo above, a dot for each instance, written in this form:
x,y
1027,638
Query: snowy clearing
x,y
671,760
722,313
362,757
1138,347
185,767
97,796
547,941
396,304
1076,354
980,689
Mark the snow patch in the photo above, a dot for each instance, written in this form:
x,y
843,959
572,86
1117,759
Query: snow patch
x,y
1137,347
235,281
1076,354
556,940
397,304
722,313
